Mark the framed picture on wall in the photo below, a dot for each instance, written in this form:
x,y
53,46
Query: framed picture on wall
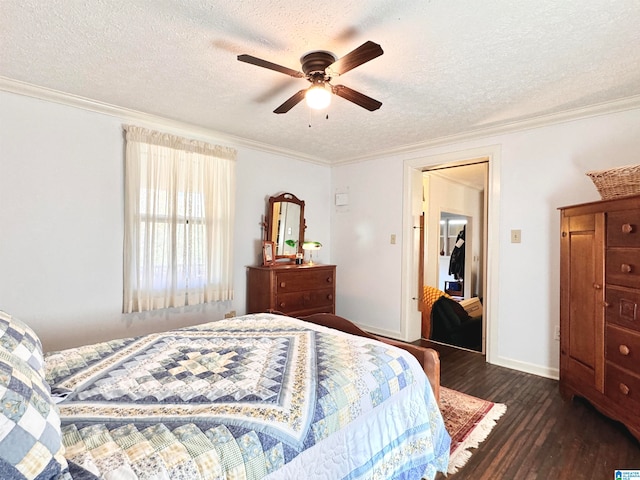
x,y
267,253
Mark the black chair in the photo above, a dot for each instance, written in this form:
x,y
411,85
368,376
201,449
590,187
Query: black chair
x,y
451,324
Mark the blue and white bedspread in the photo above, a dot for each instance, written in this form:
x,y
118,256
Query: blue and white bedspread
x,y
258,396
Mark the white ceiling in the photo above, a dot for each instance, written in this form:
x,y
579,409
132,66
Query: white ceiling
x,y
449,67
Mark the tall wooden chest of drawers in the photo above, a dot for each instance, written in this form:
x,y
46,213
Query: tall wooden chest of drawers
x,y
295,290
599,307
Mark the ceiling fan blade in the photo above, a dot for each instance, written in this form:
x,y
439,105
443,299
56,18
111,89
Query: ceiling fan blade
x,y
271,66
365,52
356,97
291,102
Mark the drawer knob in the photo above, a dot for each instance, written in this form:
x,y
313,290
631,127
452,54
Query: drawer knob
x,y
283,284
607,304
623,389
597,286
627,228
329,279
624,350
625,268
329,297
282,304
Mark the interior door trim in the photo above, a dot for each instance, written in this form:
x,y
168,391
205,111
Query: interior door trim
x,y
410,316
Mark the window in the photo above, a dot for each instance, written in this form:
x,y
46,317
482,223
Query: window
x,y
179,206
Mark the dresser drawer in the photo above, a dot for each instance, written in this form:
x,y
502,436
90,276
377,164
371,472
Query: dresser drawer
x,y
623,228
302,280
623,267
312,299
623,348
623,388
622,307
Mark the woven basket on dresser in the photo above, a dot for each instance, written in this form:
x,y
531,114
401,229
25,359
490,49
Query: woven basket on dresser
x,y
617,182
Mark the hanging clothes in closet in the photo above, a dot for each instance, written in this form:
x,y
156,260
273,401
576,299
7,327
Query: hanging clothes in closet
x,y
456,263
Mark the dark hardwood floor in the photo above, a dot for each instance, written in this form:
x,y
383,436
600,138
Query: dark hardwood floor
x,y
541,436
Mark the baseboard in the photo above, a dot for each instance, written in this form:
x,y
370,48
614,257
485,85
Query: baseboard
x,y
539,370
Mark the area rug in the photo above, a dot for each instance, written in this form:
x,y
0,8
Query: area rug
x,y
469,420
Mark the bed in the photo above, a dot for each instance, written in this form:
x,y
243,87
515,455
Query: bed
x,y
256,396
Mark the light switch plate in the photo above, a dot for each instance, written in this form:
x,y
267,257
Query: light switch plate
x,y
516,236
342,199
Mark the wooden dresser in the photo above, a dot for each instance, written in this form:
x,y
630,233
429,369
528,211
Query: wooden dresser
x,y
295,290
599,307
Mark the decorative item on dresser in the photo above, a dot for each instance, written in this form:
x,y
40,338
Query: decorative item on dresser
x,y
599,297
294,290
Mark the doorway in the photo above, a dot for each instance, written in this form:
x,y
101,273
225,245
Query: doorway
x,y
453,254
412,210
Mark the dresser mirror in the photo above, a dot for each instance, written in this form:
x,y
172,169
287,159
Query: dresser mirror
x,y
285,226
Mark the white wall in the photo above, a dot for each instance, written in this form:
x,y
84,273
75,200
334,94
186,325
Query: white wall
x,y
541,170
61,220
368,265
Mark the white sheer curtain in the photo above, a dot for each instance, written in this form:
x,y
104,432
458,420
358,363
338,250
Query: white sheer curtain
x,y
179,210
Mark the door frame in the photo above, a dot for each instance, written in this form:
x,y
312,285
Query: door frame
x,y
412,196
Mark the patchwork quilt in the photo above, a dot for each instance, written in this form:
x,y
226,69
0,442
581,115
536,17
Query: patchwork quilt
x,y
258,396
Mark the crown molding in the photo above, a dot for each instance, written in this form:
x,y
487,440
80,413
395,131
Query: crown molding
x,y
42,93
129,115
628,103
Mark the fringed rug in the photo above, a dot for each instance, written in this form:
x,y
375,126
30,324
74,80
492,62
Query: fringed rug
x,y
469,420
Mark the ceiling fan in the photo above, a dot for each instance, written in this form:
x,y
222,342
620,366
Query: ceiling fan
x,y
319,67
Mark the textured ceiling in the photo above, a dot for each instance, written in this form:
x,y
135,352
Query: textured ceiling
x,y
449,66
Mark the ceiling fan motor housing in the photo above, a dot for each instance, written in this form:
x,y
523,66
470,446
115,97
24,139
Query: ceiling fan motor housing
x,y
315,63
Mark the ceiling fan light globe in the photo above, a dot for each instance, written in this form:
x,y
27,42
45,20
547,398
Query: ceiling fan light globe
x,y
318,97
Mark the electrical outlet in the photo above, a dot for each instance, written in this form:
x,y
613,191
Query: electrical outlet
x,y
556,333
393,239
230,314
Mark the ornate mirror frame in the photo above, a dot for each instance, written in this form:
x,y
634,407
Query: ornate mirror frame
x,y
285,226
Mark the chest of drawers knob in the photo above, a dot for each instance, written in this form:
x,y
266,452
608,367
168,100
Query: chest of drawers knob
x,y
627,228
623,389
625,268
624,350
